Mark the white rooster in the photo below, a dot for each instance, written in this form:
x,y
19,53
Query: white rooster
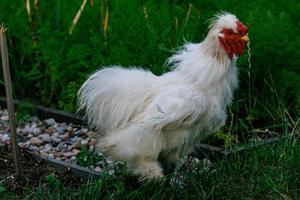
x,y
152,121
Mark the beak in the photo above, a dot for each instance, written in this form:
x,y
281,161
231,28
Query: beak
x,y
245,38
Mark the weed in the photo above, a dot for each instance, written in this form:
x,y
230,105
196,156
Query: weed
x,y
52,182
2,189
25,110
87,158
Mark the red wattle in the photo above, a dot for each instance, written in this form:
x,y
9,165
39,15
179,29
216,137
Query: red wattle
x,y
232,44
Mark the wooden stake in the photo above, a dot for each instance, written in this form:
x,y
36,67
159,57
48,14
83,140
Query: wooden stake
x,y
10,104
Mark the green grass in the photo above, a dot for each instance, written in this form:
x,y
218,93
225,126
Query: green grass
x,y
268,172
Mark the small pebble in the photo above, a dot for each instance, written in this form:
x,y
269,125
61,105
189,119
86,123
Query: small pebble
x,y
92,142
75,151
47,147
45,137
50,122
98,169
84,142
36,141
50,130
5,138
29,136
68,154
51,155
36,131
4,118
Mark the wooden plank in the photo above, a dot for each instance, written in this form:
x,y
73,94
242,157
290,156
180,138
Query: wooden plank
x,y
244,147
45,113
75,169
10,105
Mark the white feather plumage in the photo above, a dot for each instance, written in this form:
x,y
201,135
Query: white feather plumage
x,y
152,121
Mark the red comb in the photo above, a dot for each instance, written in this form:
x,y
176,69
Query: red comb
x,y
241,28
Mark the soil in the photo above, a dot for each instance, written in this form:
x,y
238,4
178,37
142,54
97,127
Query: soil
x,y
35,171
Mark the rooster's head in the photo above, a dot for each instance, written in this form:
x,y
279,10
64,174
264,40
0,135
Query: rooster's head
x,y
230,32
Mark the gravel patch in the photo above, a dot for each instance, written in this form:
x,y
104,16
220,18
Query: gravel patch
x,y
62,141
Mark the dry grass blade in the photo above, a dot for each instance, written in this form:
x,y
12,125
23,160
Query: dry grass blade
x,y
27,5
92,2
36,4
188,14
105,23
77,16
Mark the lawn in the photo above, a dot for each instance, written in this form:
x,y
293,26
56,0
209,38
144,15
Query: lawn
x,y
268,172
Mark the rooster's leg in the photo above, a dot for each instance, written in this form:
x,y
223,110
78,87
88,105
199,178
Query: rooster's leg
x,y
139,149
169,160
146,168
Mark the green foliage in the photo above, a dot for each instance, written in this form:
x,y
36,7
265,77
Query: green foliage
x,y
25,110
52,182
228,139
49,65
87,158
2,189
3,192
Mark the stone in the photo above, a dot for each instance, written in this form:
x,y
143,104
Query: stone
x,y
55,139
4,138
66,136
75,139
51,155
32,148
75,151
60,130
36,131
24,145
93,142
73,159
45,137
50,130
24,131
59,154
43,154
70,129
62,145
50,122
4,118
36,141
47,147
77,133
29,136
74,146
34,119
91,148
98,169
68,154
84,131
84,142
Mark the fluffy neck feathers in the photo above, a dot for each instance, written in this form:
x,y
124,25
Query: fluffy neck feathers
x,y
206,66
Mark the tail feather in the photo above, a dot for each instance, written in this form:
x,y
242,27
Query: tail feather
x,y
112,97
